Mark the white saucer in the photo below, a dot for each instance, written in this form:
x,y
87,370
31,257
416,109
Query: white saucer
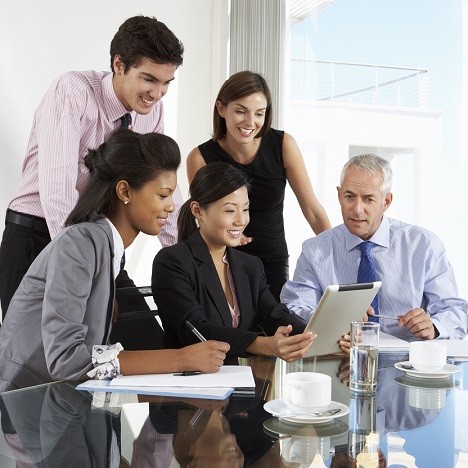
x,y
279,428
446,371
415,382
280,409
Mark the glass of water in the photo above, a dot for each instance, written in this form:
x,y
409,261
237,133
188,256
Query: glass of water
x,y
364,356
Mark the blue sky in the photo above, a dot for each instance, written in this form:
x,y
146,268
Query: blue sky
x,y
407,33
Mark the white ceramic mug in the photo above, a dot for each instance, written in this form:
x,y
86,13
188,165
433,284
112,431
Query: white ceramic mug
x,y
299,449
426,398
427,356
307,391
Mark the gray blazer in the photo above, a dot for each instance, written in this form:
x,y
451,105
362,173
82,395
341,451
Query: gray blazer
x,y
62,308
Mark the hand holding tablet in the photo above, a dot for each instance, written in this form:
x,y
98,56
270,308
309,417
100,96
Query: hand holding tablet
x,y
340,305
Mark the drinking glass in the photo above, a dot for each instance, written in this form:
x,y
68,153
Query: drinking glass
x,y
364,356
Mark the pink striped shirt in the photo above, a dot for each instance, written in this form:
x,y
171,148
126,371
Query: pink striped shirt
x,y
79,111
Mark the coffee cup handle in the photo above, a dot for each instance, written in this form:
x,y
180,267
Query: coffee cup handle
x,y
295,389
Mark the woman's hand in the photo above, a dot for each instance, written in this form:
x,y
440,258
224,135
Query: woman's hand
x,y
291,348
245,240
206,357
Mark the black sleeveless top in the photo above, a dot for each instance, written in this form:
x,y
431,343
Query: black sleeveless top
x,y
268,181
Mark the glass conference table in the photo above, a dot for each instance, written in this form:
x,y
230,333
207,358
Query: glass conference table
x,y
409,422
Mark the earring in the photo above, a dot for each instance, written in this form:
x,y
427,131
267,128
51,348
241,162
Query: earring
x,y
126,202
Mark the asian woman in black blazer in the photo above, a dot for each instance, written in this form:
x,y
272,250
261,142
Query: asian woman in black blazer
x,y
220,290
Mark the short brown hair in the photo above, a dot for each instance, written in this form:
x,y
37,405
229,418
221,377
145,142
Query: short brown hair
x,y
142,37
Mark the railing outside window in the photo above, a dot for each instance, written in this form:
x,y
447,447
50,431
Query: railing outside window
x,y
359,83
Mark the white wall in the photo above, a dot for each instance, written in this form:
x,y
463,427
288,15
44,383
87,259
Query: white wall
x,y
41,40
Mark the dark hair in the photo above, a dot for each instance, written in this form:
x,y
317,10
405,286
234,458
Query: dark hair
x,y
211,183
238,86
126,155
145,37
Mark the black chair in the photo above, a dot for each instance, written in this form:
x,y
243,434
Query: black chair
x,y
137,327
131,305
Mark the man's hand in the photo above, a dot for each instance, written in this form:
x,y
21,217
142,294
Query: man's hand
x,y
418,322
343,371
369,313
345,343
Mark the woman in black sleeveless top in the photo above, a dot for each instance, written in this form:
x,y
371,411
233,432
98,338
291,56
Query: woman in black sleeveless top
x,y
243,137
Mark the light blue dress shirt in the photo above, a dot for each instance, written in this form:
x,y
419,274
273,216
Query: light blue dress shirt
x,y
410,261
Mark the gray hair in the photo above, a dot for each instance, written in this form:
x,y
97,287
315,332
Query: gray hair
x,y
372,164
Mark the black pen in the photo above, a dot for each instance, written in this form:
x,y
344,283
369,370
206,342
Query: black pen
x,y
195,331
188,372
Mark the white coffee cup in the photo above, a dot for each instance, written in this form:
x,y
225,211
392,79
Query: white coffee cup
x,y
426,398
427,356
299,449
307,391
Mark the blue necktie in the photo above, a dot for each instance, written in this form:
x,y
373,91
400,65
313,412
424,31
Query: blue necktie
x,y
126,120
367,273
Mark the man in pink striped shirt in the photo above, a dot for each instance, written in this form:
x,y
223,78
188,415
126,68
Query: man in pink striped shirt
x,y
79,111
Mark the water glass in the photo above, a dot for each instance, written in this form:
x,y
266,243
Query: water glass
x,y
362,421
364,356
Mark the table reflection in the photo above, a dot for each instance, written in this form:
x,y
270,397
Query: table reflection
x,y
56,426
228,434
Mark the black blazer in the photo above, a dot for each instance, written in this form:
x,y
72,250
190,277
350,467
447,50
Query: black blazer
x,y
186,286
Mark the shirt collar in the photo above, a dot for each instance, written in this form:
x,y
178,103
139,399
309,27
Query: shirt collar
x,y
381,236
114,108
118,247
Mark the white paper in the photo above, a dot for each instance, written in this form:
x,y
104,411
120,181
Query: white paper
x,y
228,376
387,341
218,393
455,348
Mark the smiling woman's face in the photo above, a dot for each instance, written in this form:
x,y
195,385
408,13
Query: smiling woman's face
x,y
223,221
216,446
144,209
244,117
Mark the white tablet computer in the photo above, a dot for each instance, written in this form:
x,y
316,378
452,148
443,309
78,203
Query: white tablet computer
x,y
340,305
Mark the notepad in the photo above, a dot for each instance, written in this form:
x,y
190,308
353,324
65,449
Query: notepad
x,y
216,393
455,348
228,376
210,386
391,343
